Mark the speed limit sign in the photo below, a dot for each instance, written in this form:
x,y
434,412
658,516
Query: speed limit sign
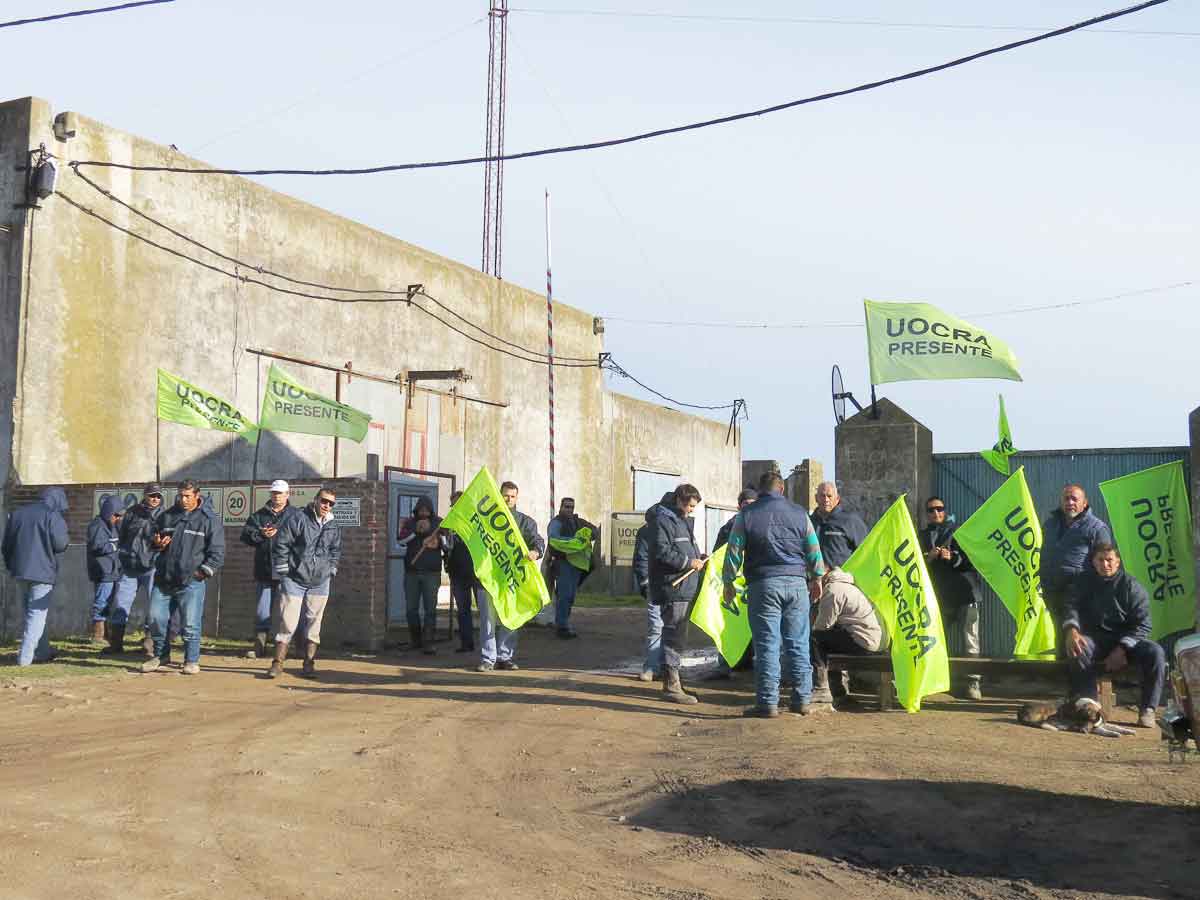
x,y
237,505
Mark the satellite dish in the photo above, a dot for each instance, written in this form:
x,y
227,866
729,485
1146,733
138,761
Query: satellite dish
x,y
840,396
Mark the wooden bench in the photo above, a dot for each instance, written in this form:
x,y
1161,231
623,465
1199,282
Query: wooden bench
x,y
986,666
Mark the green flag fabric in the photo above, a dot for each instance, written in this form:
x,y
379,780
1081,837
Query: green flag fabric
x,y
183,402
917,341
1152,524
577,550
487,526
890,569
1003,540
289,406
728,628
998,456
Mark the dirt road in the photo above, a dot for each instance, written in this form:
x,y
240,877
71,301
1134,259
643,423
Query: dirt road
x,y
411,776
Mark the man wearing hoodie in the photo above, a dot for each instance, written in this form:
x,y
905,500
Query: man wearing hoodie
x,y
1106,627
104,569
307,551
137,554
424,544
1069,535
35,536
259,532
190,540
839,531
498,644
675,564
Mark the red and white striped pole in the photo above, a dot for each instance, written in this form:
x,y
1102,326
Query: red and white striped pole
x,y
550,353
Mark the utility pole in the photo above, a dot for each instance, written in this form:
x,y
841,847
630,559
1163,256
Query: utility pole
x,y
493,172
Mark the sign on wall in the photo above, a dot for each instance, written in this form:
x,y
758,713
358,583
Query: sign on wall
x,y
624,535
129,497
347,512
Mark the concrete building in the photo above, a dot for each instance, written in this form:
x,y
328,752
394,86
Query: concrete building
x,y
214,278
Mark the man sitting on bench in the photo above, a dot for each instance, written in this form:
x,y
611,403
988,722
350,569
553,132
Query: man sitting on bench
x,y
1106,626
845,622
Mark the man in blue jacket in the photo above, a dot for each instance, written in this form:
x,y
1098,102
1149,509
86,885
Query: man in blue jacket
x,y
307,551
498,644
190,541
35,536
104,570
259,532
1106,627
774,543
1069,535
839,530
675,565
652,667
137,554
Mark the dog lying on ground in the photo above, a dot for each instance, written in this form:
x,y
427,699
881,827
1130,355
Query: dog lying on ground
x,y
1084,716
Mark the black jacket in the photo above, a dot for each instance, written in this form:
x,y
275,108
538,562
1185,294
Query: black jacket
x,y
672,547
641,552
252,536
1116,609
723,534
416,559
955,580
306,551
103,560
35,536
529,532
1067,546
840,532
459,564
197,544
134,548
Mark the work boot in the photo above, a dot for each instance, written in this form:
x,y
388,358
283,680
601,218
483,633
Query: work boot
x,y
428,638
309,667
822,694
761,712
153,664
116,641
148,643
414,637
276,669
259,649
98,629
801,707
974,690
672,688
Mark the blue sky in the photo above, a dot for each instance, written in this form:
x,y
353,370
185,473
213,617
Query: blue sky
x,y
1064,171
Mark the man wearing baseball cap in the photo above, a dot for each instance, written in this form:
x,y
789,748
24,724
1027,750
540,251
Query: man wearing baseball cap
x,y
259,532
138,555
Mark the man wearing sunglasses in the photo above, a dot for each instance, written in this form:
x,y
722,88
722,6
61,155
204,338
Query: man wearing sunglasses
x,y
955,581
307,549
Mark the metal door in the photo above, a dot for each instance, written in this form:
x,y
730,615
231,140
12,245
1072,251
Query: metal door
x,y
403,493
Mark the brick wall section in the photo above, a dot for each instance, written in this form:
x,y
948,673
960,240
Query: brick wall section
x,y
357,611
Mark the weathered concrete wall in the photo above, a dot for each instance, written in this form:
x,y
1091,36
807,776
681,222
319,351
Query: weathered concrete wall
x,y
802,483
754,469
106,309
880,459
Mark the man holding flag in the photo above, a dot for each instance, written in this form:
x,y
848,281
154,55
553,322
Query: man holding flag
x,y
498,642
774,543
572,540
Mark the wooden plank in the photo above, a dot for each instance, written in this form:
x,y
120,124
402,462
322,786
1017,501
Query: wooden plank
x,y
967,665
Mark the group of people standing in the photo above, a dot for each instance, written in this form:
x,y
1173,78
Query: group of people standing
x,y
803,607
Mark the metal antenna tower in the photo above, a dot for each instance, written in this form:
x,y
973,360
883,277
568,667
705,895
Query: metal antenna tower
x,y
493,172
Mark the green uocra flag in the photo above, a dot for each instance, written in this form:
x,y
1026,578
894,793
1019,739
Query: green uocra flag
x,y
483,520
179,401
890,569
728,628
916,341
1003,540
998,456
1152,524
577,550
289,406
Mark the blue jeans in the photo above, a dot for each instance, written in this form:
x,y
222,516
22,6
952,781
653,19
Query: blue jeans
x,y
566,585
35,644
1146,656
654,652
265,591
462,592
103,590
189,601
421,595
495,641
779,610
126,592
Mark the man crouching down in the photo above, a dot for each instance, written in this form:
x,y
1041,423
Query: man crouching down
x,y
306,553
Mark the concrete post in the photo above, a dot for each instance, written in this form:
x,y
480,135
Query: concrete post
x,y
802,483
754,469
880,459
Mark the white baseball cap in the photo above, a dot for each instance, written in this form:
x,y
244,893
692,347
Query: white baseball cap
x,y
279,486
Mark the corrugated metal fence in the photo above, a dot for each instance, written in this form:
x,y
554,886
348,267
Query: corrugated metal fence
x,y
964,481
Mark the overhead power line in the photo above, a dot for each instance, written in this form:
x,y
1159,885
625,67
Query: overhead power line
x,y
982,314
82,12
647,135
790,20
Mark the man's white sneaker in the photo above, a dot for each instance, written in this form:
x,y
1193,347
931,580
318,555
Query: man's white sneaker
x,y
191,668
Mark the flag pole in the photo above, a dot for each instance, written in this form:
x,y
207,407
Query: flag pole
x,y
157,449
550,352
